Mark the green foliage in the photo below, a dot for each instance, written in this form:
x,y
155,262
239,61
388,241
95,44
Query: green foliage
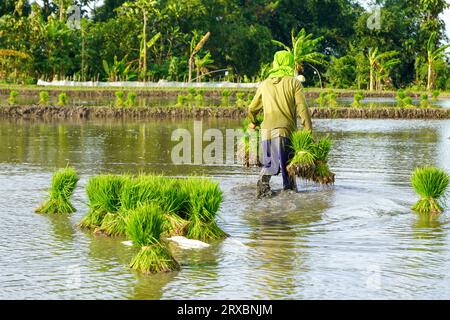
x,y
436,94
62,99
358,97
145,227
181,100
341,73
331,100
131,99
119,98
431,184
44,98
13,97
310,159
64,182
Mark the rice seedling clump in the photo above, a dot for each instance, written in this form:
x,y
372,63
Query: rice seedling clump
x,y
104,193
145,227
205,198
310,160
431,185
64,182
249,149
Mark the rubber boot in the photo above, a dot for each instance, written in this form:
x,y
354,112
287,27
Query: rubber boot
x,y
291,185
263,187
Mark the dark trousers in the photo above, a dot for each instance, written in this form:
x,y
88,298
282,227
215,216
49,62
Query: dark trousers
x,y
276,154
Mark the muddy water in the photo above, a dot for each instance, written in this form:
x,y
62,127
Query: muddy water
x,y
358,239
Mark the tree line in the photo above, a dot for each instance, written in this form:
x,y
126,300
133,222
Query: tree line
x,y
203,40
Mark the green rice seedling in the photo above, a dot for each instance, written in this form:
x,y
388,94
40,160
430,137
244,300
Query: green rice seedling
x,y
358,97
44,98
62,99
424,103
145,227
401,95
321,100
225,100
181,100
250,97
104,193
407,102
331,99
249,148
302,164
240,99
64,182
205,198
200,96
114,224
322,173
192,92
13,97
431,184
435,94
131,99
119,98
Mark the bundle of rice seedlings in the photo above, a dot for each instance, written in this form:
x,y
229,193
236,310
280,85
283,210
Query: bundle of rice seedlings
x,y
43,98
13,97
435,94
249,149
62,99
424,103
141,190
322,173
145,226
205,198
64,182
303,162
322,99
104,193
131,99
431,184
119,98
358,97
114,224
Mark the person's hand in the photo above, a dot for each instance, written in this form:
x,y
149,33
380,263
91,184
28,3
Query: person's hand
x,y
252,126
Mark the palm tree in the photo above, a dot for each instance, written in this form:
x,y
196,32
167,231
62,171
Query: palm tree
x,y
380,66
305,50
434,54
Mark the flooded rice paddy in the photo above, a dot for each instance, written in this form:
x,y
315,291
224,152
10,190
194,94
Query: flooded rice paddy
x,y
358,239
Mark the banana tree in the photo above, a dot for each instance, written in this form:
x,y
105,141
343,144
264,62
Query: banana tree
x,y
119,70
305,50
195,48
144,8
202,64
380,66
434,54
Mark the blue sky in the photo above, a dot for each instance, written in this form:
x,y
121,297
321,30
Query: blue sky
x,y
445,16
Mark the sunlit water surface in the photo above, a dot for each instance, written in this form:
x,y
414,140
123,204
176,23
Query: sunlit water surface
x,y
358,239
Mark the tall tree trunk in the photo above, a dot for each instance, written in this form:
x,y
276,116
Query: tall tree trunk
x,y
430,76
372,75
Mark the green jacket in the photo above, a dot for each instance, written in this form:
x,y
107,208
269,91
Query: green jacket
x,y
282,100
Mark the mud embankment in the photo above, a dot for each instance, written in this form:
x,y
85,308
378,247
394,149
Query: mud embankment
x,y
52,112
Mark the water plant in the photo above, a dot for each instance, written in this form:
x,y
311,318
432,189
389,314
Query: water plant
x,y
64,182
44,98
62,99
358,97
431,184
131,99
119,98
13,97
145,227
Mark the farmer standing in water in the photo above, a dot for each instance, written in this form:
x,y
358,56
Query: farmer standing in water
x,y
281,98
